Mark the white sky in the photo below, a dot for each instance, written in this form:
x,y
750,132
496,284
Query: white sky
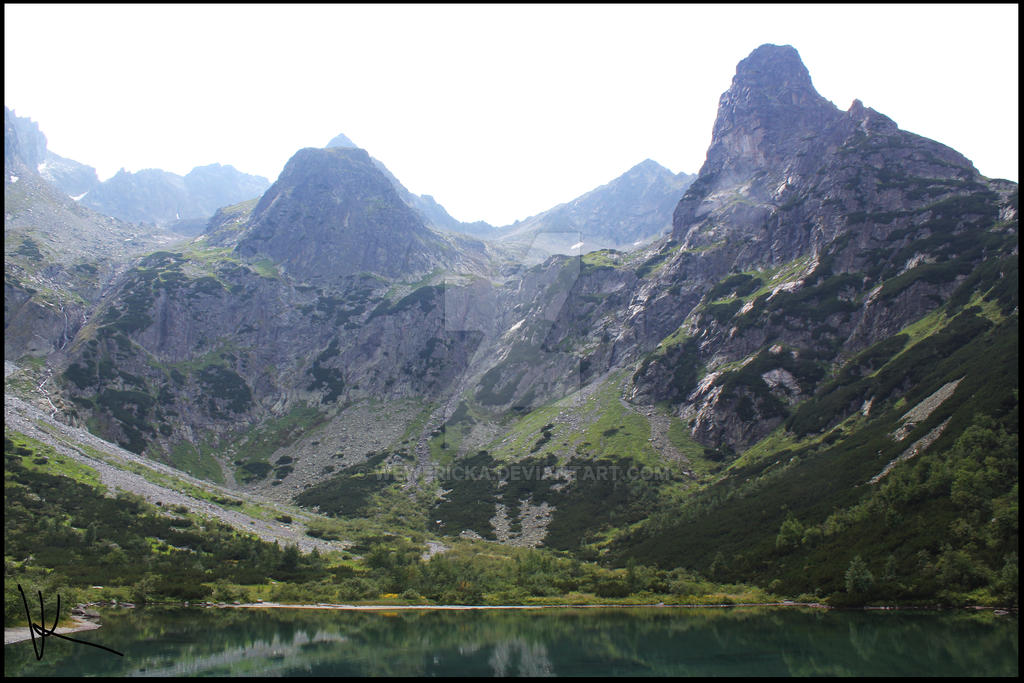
x,y
498,111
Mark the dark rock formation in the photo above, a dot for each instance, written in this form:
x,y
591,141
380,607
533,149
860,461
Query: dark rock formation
x,y
332,213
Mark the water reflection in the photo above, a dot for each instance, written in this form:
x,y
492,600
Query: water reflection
x,y
554,642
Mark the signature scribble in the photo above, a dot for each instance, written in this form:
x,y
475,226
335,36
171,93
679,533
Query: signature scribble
x,y
44,632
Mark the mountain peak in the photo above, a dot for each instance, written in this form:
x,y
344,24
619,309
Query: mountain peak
x,y
340,140
773,65
333,213
770,105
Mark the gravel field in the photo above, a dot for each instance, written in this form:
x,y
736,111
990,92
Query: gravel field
x,y
23,417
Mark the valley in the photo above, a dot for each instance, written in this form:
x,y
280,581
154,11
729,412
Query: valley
x,y
791,376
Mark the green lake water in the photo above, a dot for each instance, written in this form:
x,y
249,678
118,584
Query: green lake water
x,y
667,641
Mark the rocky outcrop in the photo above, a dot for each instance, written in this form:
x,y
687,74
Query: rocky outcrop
x,y
59,255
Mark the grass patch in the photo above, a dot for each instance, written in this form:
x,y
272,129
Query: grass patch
x,y
188,458
33,451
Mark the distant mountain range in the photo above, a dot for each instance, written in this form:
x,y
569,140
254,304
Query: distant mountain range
x,y
149,196
630,210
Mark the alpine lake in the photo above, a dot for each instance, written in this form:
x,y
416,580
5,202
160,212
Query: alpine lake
x,y
604,641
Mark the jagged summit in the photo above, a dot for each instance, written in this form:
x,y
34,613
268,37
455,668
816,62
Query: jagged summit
x,y
769,109
777,144
773,67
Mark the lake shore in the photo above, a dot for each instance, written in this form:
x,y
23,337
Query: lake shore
x,y
391,608
22,633
16,635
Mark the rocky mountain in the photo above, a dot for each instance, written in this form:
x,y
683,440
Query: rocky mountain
x,y
69,176
431,213
332,214
846,198
634,208
58,255
150,196
341,140
817,362
163,198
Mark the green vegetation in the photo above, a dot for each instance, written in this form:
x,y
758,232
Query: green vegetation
x,y
65,537
605,258
348,492
794,511
193,460
62,535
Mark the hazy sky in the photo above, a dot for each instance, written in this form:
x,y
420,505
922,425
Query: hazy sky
x,y
498,111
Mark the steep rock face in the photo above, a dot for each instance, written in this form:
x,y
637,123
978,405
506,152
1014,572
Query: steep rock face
x,y
786,170
23,139
765,116
69,176
332,213
430,211
839,229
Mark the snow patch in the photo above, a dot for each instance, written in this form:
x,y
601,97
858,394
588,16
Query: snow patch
x,y
14,179
78,197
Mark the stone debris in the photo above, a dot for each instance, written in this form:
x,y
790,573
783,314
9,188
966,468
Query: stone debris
x,y
922,410
915,449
